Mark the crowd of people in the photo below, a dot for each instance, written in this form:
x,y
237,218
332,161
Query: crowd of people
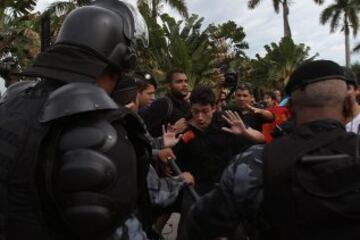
x,y
88,149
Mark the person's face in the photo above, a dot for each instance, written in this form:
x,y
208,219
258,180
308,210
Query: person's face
x,y
202,114
243,98
179,85
268,101
221,102
147,96
277,95
353,92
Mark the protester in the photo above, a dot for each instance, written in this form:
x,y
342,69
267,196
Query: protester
x,y
72,159
278,95
252,116
221,102
147,86
207,146
172,109
300,186
281,115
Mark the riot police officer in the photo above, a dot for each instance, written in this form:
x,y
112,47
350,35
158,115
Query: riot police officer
x,y
72,161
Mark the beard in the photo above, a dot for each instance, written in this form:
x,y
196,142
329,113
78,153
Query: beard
x,y
177,94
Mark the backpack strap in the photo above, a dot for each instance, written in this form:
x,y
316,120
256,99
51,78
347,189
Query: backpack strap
x,y
279,159
170,108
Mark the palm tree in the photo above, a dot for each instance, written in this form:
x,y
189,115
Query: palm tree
x,y
155,5
344,13
19,37
19,8
285,10
18,30
179,44
280,61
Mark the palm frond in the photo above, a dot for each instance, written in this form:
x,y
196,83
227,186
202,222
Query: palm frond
x,y
180,6
253,3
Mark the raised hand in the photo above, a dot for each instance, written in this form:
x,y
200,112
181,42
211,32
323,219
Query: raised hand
x,y
253,109
235,122
169,136
180,125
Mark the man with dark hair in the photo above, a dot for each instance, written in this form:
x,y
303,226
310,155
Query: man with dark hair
x,y
281,115
172,109
146,88
209,144
252,116
278,95
301,186
73,161
269,100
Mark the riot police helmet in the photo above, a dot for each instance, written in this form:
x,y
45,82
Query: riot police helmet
x,y
92,39
108,28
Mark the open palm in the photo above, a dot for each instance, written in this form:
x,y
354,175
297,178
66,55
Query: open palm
x,y
169,136
236,124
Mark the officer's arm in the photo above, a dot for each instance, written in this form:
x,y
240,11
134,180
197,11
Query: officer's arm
x,y
238,197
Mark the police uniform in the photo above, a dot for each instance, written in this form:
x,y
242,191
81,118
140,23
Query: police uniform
x,y
301,186
73,162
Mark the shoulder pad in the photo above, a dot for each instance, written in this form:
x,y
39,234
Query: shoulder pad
x,y
74,98
16,89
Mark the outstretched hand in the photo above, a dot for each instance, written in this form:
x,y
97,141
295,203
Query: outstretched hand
x,y
180,125
253,109
236,124
169,136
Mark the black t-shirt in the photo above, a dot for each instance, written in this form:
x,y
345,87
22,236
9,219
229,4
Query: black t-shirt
x,y
252,120
205,154
164,110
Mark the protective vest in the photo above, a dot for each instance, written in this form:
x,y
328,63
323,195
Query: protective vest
x,y
20,137
311,185
74,162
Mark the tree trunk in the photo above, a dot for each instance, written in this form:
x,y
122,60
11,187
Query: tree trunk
x,y
287,31
347,42
154,12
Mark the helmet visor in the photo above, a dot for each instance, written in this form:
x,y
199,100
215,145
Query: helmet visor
x,y
141,30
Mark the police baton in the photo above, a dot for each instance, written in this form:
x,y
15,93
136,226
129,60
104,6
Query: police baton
x,y
178,171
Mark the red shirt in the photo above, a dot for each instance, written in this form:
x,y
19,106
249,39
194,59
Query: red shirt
x,y
281,115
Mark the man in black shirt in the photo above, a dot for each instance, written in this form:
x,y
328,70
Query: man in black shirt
x,y
253,117
209,143
171,109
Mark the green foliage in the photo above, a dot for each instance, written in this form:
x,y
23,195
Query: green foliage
x,y
281,59
178,44
232,34
19,36
342,13
155,6
17,8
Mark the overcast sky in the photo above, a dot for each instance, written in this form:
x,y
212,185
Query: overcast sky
x,y
263,26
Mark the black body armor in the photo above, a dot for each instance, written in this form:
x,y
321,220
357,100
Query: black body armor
x,y
75,171
311,184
